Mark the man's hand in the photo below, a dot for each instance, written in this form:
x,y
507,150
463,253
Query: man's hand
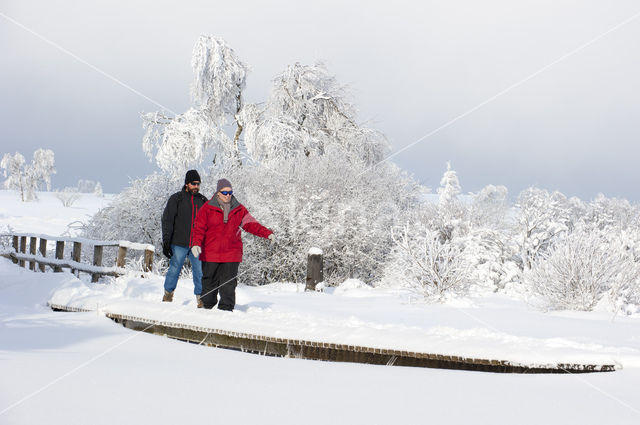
x,y
272,238
166,249
196,250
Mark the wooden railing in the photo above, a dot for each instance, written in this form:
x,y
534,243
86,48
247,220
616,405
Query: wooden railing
x,y
37,254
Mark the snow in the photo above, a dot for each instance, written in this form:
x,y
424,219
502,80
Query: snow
x,y
83,368
46,216
315,251
492,327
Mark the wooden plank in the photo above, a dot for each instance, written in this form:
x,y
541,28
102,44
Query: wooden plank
x,y
148,260
75,255
16,247
97,261
314,271
43,253
32,250
121,258
59,255
23,248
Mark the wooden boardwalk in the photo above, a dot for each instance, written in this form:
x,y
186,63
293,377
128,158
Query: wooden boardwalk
x,y
282,347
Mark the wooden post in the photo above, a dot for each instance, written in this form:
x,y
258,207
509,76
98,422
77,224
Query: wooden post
x,y
97,261
43,252
121,258
23,248
16,247
32,251
148,260
75,255
315,273
59,255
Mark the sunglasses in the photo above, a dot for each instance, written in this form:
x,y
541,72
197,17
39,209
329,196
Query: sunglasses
x,y
226,192
195,183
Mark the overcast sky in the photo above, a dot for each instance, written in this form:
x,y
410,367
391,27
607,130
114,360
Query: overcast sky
x,y
412,67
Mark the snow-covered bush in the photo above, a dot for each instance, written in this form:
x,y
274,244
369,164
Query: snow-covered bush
x,y
134,214
68,196
580,268
326,201
541,217
27,178
425,263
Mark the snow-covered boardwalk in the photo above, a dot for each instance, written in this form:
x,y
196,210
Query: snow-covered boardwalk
x,y
360,324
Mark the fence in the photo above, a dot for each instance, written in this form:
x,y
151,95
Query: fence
x,y
37,254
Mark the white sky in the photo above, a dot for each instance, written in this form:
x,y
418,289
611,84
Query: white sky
x,y
412,67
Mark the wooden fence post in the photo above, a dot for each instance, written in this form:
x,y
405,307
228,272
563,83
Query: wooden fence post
x,y
148,260
97,261
16,246
59,255
121,258
315,273
23,248
32,251
75,255
43,252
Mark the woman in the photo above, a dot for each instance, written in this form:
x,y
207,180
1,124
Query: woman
x,y
218,243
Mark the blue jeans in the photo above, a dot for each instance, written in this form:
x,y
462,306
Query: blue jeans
x,y
175,265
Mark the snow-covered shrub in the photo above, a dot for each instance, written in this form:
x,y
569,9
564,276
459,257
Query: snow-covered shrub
x,y
134,214
541,217
425,263
490,244
580,268
27,178
491,253
326,201
68,196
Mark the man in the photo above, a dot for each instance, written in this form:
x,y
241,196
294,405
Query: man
x,y
178,220
217,240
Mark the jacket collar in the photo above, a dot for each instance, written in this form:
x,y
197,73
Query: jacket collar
x,y
214,202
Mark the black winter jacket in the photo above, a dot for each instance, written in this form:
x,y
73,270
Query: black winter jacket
x,y
179,217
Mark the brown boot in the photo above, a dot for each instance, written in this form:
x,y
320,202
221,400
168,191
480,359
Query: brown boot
x,y
199,301
168,296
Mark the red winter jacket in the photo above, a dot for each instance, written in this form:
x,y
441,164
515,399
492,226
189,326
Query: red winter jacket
x,y
222,242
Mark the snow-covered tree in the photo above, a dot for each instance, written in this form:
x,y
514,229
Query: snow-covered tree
x,y
449,216
86,186
27,178
186,140
14,172
541,216
489,208
98,190
308,112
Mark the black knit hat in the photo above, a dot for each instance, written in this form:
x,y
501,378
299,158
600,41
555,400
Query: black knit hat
x,y
222,183
192,176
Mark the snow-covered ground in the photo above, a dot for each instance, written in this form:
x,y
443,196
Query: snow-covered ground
x,y
83,368
47,216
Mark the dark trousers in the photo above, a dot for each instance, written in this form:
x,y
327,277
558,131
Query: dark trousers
x,y
219,278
